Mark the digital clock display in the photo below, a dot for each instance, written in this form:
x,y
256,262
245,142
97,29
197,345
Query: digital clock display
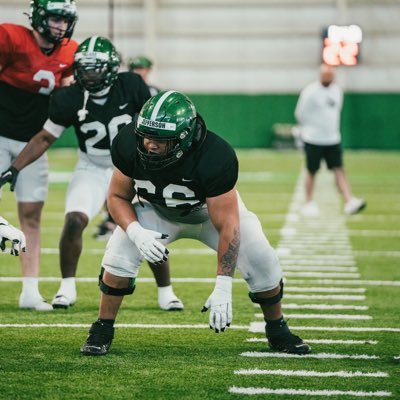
x,y
341,45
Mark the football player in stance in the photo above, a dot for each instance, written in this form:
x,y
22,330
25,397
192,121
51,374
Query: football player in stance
x,y
14,235
181,179
32,64
100,103
142,66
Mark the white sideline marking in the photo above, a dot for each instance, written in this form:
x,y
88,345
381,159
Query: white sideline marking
x,y
323,316
257,327
145,326
322,341
285,372
291,306
320,356
254,390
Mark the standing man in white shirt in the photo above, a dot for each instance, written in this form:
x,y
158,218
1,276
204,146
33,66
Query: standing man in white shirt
x,y
318,114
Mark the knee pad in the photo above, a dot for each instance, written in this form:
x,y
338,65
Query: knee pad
x,y
116,291
270,300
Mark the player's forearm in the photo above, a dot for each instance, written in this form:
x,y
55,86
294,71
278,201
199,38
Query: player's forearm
x,y
121,210
228,250
36,147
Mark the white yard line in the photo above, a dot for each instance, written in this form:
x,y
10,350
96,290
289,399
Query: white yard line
x,y
325,297
258,327
323,341
322,274
131,326
285,372
323,316
295,306
344,282
239,280
318,268
285,253
317,262
303,392
322,289
319,356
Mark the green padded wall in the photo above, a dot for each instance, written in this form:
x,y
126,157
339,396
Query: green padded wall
x,y
369,120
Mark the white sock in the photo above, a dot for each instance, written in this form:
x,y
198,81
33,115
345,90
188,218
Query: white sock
x,y
30,286
165,292
68,287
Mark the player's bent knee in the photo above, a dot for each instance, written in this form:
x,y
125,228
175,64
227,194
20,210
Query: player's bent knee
x,y
256,298
106,289
75,222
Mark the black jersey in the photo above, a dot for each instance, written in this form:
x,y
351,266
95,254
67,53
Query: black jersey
x,y
179,192
102,122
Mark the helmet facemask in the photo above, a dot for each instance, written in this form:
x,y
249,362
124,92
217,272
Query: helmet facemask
x,y
42,10
96,64
168,118
175,149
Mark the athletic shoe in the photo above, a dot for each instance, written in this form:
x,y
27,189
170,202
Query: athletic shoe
x,y
104,230
99,339
310,209
62,301
281,339
396,359
34,303
354,206
171,304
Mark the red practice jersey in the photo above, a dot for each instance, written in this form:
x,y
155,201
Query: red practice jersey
x,y
27,78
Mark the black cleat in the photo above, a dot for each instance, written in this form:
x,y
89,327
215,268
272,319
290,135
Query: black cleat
x,y
99,339
281,339
396,359
104,230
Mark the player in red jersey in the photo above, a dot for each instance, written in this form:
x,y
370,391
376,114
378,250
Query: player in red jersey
x,y
33,62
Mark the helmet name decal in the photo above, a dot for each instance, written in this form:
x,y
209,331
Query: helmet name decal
x,y
168,126
91,56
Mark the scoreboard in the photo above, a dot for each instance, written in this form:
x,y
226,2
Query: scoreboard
x,y
341,45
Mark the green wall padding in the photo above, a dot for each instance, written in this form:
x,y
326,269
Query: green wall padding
x,y
67,139
369,120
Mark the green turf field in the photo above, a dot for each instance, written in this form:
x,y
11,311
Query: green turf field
x,y
342,294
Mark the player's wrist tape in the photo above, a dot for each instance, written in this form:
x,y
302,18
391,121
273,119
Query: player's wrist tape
x,y
133,229
224,283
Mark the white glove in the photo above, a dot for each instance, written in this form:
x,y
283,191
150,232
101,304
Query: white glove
x,y
14,235
220,302
145,240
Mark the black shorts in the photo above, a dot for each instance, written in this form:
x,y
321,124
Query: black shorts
x,y
315,153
